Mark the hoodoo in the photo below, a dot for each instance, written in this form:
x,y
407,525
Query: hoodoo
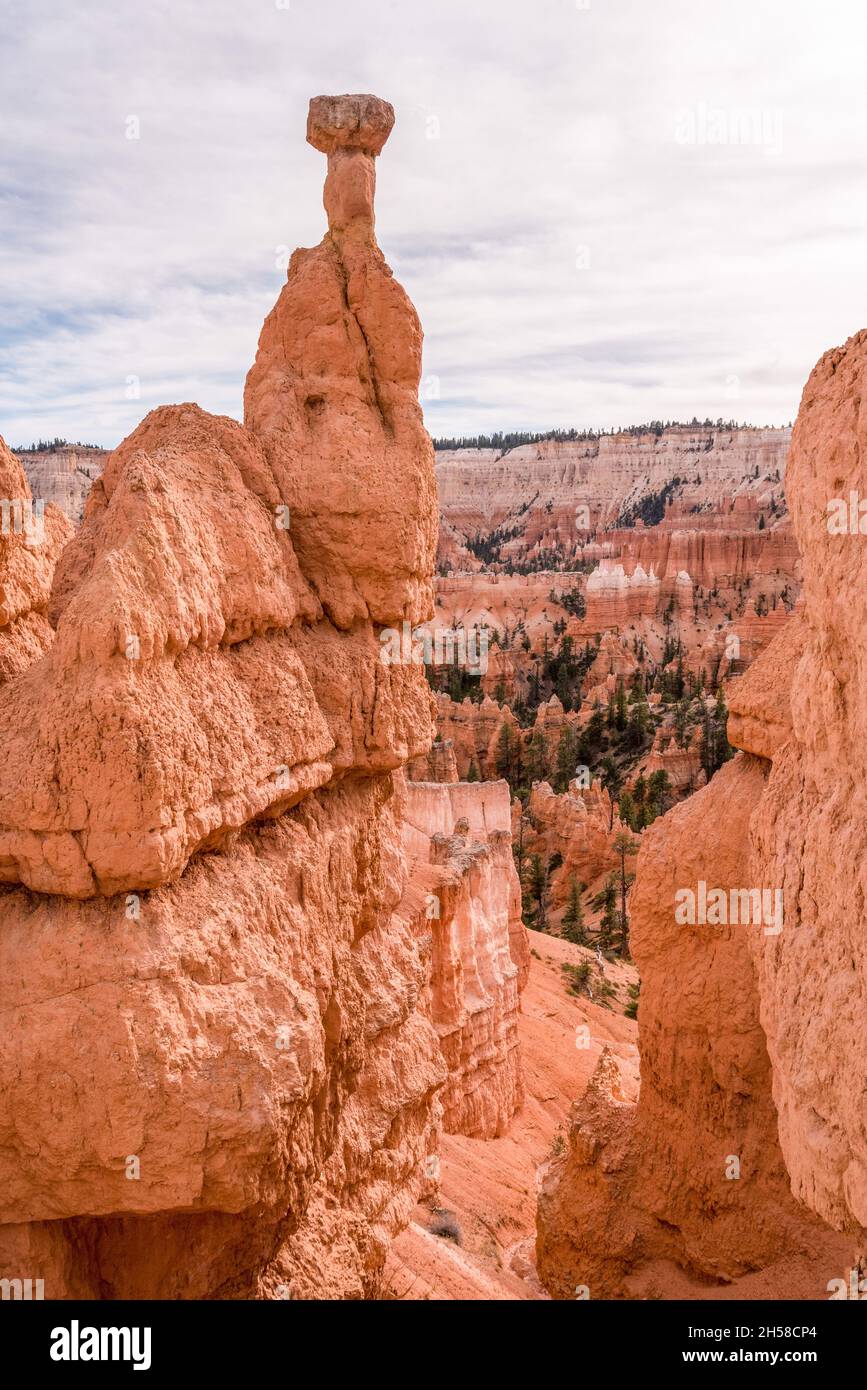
x,y
198,826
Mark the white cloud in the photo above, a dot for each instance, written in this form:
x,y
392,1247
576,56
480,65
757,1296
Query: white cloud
x,y
573,258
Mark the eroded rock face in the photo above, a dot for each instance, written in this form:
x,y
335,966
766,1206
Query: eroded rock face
x,y
472,730
333,396
32,536
192,712
63,475
579,826
551,496
809,837
644,1202
459,839
748,1029
205,917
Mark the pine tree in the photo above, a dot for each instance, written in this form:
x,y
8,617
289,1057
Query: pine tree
x,y
506,753
567,757
537,757
535,895
638,722
627,810
612,782
608,920
658,793
624,844
473,773
620,707
572,926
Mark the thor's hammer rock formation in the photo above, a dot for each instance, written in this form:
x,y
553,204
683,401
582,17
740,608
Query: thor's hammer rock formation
x,y
218,1077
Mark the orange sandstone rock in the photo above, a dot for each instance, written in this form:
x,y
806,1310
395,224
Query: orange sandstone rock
x,y
222,1077
459,836
743,1161
333,396
32,536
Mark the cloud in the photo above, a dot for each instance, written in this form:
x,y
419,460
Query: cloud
x,y
603,214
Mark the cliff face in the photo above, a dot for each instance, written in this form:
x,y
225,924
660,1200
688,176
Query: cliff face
x,y
535,491
810,834
31,538
712,557
742,1163
460,843
205,913
579,826
63,476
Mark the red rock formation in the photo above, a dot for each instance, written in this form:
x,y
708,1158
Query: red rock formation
x,y
743,1162
473,730
490,1184
31,538
615,598
249,1078
459,839
809,835
681,765
339,359
644,1203
439,764
579,826
614,659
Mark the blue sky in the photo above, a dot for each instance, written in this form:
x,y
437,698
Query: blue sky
x,y
605,212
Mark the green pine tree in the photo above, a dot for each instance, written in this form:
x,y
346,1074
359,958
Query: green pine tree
x,y
535,894
572,926
608,921
567,758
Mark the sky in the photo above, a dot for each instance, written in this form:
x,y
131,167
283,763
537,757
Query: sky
x,y
605,212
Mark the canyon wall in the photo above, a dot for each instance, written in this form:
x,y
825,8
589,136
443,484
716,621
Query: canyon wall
x,y
742,1165
31,538
223,1074
550,496
460,845
63,475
